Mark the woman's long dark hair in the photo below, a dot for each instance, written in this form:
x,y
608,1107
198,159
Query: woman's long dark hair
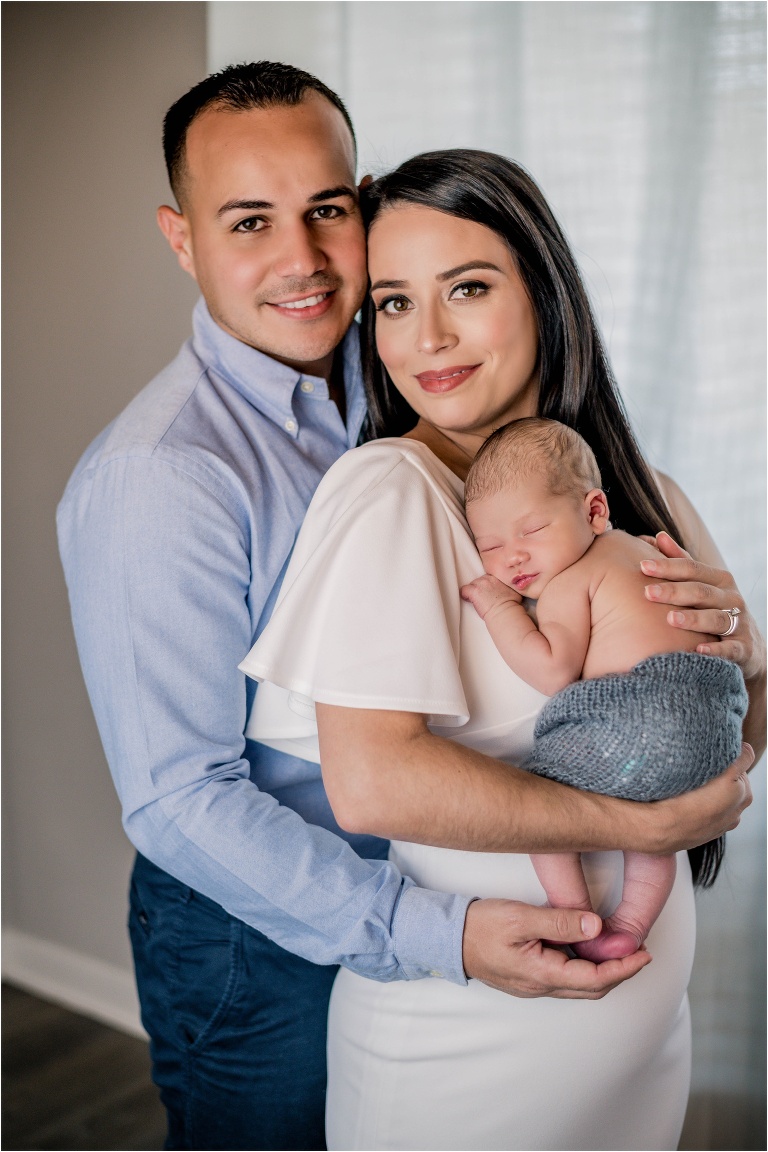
x,y
576,384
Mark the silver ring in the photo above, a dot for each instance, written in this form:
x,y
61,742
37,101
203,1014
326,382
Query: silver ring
x,y
734,614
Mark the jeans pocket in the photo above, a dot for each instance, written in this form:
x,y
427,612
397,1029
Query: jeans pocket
x,y
207,968
138,915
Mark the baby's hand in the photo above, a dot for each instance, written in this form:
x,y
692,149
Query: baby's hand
x,y
487,593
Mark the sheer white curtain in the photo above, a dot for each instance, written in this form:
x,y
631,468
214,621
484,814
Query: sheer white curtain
x,y
644,124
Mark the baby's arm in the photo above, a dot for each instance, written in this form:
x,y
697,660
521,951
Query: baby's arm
x,y
547,657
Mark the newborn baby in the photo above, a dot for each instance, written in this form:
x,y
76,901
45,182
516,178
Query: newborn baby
x,y
637,713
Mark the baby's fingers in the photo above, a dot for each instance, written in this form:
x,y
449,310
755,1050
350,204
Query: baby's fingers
x,y
470,592
479,593
486,591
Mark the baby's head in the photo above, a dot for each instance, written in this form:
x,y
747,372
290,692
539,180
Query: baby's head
x,y
534,502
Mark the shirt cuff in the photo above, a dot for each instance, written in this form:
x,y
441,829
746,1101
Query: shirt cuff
x,y
427,932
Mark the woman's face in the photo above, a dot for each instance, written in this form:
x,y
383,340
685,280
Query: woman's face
x,y
454,323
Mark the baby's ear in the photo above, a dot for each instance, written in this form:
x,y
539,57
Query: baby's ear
x,y
596,505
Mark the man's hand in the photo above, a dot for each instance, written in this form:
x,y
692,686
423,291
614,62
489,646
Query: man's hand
x,y
504,947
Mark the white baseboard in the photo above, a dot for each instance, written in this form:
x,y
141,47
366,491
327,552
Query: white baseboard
x,y
79,982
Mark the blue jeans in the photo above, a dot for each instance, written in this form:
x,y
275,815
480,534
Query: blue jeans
x,y
237,1024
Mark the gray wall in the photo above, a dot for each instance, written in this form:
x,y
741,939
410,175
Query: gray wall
x,y
94,306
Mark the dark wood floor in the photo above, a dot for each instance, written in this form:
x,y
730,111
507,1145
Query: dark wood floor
x,y
70,1083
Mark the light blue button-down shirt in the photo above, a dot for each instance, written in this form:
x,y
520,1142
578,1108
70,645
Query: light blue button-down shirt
x,y
175,531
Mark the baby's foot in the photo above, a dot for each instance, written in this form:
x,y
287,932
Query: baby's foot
x,y
613,943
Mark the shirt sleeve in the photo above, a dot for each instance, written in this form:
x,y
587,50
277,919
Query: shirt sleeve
x,y
368,615
158,566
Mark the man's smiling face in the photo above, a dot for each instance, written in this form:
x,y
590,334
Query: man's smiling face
x,y
270,227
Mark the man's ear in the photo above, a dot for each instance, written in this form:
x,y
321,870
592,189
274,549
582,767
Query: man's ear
x,y
596,505
366,180
175,227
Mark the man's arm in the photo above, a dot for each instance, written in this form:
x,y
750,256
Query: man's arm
x,y
386,774
157,559
504,947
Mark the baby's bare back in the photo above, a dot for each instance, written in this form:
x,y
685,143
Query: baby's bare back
x,y
625,627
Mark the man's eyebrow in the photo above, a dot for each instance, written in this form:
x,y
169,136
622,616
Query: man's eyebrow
x,y
466,268
265,206
244,205
332,194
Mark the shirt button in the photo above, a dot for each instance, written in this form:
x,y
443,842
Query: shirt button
x,y
439,975
290,425
307,386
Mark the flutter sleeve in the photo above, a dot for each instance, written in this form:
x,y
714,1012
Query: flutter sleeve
x,y
368,614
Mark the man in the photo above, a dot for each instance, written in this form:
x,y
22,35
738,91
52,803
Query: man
x,y
175,531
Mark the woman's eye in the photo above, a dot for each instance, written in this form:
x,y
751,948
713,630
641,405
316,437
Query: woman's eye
x,y
394,305
470,290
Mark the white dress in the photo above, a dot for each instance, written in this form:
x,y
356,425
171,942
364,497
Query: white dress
x,y
370,616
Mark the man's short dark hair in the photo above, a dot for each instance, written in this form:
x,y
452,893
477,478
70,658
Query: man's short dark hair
x,y
263,84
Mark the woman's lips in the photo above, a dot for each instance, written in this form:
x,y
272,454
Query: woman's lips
x,y
446,379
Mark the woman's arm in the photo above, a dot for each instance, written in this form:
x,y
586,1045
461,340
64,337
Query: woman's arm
x,y
387,775
699,592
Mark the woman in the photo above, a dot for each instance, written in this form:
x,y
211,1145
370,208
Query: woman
x,y
479,317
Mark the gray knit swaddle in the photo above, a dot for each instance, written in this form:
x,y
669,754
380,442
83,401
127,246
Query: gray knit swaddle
x,y
669,725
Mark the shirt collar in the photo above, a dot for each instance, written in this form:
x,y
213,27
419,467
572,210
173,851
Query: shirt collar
x,y
269,385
